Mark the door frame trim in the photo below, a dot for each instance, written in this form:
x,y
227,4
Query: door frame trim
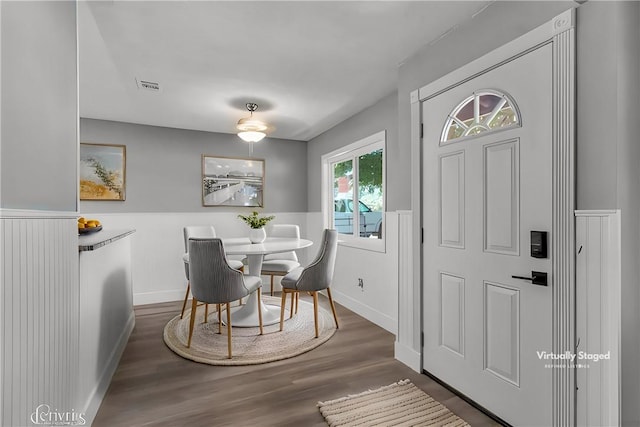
x,y
560,32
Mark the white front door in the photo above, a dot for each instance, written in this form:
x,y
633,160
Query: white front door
x,y
482,196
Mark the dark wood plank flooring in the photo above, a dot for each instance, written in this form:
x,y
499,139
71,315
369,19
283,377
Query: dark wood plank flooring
x,y
155,387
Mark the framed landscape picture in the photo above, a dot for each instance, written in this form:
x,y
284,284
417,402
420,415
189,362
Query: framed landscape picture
x,y
228,181
102,171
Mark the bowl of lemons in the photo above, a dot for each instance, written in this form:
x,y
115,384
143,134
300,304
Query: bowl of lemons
x,y
86,226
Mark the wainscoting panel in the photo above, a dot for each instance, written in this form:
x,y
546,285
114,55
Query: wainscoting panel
x,y
407,345
598,317
39,328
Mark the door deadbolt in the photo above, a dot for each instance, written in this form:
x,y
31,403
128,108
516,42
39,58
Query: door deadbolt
x,y
537,278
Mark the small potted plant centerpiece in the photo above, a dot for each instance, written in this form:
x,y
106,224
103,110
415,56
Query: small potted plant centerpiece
x,y
257,234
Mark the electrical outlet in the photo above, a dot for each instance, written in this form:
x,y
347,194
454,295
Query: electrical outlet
x,y
361,283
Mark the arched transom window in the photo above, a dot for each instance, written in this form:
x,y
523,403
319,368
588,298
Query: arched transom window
x,y
484,111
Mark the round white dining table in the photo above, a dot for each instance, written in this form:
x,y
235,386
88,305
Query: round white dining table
x,y
247,314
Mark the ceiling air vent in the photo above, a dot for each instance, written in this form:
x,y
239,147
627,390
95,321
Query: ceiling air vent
x,y
148,85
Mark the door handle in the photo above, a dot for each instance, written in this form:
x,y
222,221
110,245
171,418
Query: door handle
x,y
537,278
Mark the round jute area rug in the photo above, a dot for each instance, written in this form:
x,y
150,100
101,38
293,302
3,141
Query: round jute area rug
x,y
249,347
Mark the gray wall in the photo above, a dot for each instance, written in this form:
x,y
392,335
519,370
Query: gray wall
x,y
608,154
500,23
38,141
608,109
381,116
163,171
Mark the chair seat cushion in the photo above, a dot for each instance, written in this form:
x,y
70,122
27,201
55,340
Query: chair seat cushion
x,y
252,283
279,265
291,279
234,263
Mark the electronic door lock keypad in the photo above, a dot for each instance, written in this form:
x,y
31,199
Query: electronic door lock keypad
x,y
539,244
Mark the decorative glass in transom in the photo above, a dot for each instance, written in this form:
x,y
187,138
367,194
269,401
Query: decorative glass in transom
x,y
484,111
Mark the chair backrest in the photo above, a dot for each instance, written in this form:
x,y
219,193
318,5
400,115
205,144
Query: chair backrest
x,y
190,231
212,279
318,275
283,230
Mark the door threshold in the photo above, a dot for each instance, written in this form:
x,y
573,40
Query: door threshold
x,y
470,401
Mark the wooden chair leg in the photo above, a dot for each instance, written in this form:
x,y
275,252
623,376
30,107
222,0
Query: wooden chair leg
x,y
192,320
219,318
229,328
333,308
272,285
315,311
293,298
240,302
186,297
282,304
297,299
260,310
206,313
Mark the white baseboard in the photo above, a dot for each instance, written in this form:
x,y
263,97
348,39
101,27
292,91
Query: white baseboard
x,y
94,400
365,311
408,356
178,294
159,296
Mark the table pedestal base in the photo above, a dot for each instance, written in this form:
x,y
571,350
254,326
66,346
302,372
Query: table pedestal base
x,y
247,315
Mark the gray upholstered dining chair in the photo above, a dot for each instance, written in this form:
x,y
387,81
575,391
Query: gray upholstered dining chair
x,y
314,277
281,263
214,281
205,231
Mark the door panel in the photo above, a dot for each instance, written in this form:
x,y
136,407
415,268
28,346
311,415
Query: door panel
x,y
452,200
502,198
452,313
482,195
502,332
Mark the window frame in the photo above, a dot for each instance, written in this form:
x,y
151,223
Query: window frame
x,y
352,152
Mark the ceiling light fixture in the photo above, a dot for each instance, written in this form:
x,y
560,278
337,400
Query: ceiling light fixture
x,y
250,129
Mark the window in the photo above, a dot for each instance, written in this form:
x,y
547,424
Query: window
x,y
354,192
483,111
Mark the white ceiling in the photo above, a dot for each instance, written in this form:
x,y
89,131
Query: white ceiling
x,y
308,64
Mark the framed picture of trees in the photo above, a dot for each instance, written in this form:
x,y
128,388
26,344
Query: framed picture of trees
x,y
102,171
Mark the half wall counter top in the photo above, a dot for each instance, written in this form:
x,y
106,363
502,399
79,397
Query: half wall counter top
x,y
93,241
107,317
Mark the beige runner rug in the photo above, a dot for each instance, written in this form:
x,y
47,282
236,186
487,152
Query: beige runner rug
x,y
398,404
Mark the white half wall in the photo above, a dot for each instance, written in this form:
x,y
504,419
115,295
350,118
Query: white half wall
x,y
158,272
39,314
158,245
598,317
377,300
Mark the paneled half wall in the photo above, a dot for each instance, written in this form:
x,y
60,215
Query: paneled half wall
x,y
39,317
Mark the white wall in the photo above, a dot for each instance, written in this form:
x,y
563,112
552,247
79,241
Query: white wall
x,y
158,271
158,246
377,301
106,320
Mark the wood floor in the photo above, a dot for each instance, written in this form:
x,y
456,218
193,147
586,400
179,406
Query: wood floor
x,y
155,387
